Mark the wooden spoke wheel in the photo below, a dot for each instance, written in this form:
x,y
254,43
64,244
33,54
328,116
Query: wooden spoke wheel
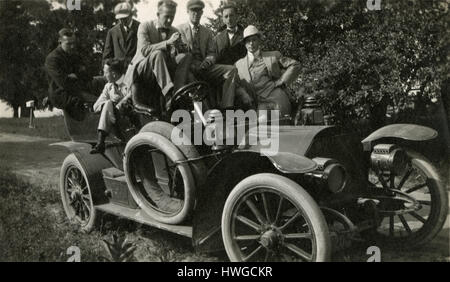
x,y
76,194
268,217
412,206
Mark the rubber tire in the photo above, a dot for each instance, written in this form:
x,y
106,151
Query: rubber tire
x,y
189,151
71,160
434,226
291,190
173,153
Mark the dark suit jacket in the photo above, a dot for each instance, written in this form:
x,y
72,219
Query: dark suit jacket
x,y
120,44
59,65
207,45
228,53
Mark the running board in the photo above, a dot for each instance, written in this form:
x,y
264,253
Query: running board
x,y
140,216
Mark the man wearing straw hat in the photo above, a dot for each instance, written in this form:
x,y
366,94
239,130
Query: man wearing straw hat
x,y
263,76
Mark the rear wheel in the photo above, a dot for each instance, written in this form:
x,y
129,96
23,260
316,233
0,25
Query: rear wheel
x,y
76,194
415,210
268,217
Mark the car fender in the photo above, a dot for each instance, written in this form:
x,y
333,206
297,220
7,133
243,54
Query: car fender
x,y
409,132
287,162
223,177
93,164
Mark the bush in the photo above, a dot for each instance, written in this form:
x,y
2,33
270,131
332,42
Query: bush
x,y
355,60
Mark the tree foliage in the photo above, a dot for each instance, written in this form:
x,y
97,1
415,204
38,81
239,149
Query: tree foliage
x,y
354,59
29,32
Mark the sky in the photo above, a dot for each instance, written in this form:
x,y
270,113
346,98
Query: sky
x,y
146,10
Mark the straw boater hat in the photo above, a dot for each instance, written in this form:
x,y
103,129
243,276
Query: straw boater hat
x,y
250,31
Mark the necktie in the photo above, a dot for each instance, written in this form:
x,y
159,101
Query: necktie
x,y
195,31
125,29
231,31
116,89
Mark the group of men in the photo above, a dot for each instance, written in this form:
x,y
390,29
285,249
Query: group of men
x,y
158,56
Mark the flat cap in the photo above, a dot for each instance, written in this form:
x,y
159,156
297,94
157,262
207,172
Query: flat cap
x,y
122,10
227,5
192,4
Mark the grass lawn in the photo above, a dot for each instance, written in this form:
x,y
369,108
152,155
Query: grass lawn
x,y
33,227
49,127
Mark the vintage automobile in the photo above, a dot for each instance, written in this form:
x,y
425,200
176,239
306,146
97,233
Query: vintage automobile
x,y
320,190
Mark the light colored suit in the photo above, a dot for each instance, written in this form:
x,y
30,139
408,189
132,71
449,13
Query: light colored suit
x,y
153,52
106,102
271,97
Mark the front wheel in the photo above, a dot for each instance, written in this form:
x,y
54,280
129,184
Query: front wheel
x,y
268,217
76,194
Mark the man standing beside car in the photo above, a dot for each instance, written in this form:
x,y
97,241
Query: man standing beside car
x,y
121,40
68,80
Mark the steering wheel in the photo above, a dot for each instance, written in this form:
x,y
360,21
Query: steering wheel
x,y
192,91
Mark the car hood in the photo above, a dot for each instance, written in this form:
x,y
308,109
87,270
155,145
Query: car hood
x,y
292,139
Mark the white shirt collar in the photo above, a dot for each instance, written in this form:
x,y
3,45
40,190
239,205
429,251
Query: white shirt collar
x,y
192,25
158,25
235,29
128,27
251,57
120,81
231,35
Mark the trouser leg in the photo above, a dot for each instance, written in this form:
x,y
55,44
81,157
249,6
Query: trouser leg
x,y
277,100
107,117
183,63
223,74
161,71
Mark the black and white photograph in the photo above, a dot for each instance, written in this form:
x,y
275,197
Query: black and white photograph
x,y
212,131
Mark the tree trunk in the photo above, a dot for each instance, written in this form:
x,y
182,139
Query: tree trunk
x,y
15,111
24,111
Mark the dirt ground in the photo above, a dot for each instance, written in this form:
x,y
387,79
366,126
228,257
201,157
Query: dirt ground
x,y
32,159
